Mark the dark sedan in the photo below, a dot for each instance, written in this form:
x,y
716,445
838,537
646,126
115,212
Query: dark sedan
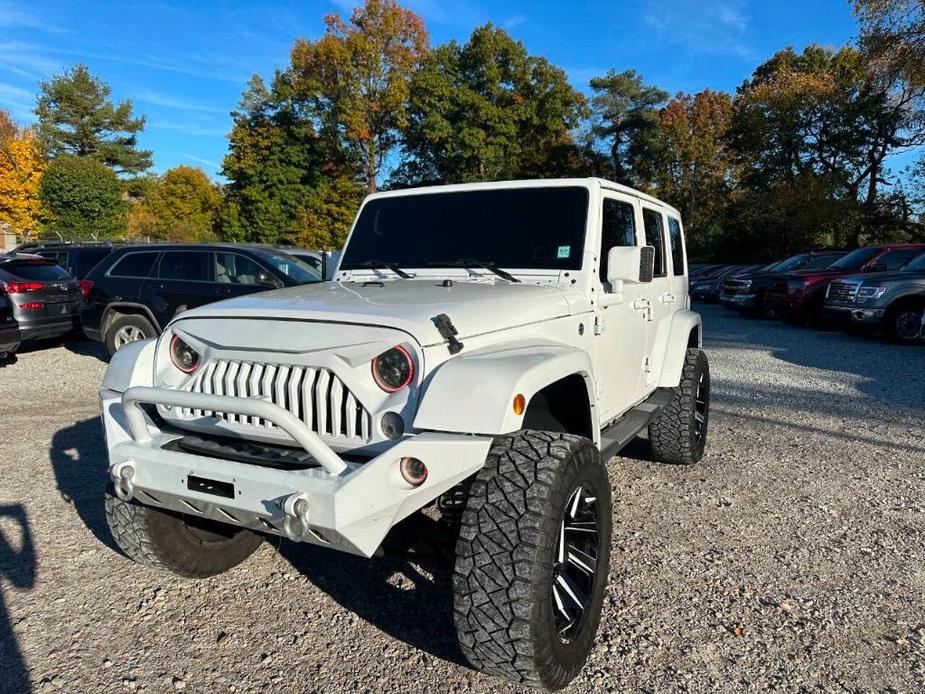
x,y
44,297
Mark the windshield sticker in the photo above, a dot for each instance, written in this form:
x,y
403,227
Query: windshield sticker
x,y
564,251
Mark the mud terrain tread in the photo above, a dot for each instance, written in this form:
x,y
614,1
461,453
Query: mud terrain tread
x,y
671,434
501,550
128,524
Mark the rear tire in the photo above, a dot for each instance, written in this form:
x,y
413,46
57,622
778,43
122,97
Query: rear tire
x,y
679,434
126,329
527,604
183,545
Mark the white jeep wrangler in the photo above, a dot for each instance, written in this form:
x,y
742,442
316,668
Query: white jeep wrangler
x,y
485,348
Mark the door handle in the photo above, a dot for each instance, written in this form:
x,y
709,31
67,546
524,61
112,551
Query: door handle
x,y
667,298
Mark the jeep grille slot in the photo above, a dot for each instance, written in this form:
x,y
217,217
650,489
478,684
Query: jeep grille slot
x,y
315,395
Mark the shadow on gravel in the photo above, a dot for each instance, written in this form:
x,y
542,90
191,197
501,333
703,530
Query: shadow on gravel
x,y
87,348
78,458
418,611
18,567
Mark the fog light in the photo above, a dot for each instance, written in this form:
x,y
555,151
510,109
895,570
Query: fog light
x,y
413,471
392,425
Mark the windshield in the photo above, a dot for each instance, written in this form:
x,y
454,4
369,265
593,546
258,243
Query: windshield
x,y
855,260
792,263
820,262
510,228
917,264
298,270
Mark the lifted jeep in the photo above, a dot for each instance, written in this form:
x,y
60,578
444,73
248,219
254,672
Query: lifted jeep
x,y
490,345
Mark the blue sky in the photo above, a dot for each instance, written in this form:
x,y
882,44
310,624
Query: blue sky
x,y
184,65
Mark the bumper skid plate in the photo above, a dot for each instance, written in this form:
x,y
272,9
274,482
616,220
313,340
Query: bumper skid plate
x,y
347,505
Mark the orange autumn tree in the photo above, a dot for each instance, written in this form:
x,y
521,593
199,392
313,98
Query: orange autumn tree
x,y
22,164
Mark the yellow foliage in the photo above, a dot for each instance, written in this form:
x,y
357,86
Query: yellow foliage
x,y
22,164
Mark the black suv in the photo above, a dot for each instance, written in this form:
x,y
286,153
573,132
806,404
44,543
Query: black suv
x,y
77,258
139,289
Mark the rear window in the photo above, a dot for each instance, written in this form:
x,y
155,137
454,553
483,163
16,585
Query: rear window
x,y
35,270
89,259
191,266
677,251
134,265
655,238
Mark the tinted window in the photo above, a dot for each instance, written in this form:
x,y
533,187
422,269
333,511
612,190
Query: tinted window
x,y
36,270
792,263
191,266
59,257
821,261
231,268
893,260
87,260
855,259
134,265
292,267
917,265
618,228
654,238
677,250
513,228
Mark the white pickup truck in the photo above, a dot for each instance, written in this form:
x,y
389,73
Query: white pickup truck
x,y
484,348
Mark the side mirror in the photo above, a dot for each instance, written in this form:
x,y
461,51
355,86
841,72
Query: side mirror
x,y
635,264
265,279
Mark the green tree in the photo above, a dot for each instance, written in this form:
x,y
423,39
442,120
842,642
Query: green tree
x,y
81,198
328,213
894,31
487,110
274,161
355,78
181,205
76,116
624,111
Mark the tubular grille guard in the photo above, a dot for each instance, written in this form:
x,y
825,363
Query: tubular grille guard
x,y
316,396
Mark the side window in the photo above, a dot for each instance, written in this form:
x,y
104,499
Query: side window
x,y
87,260
677,246
655,238
191,266
231,268
60,257
133,265
893,260
618,228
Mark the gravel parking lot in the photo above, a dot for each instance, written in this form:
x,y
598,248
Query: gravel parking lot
x,y
792,556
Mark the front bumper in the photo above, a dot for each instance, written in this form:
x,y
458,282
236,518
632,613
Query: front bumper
x,y
854,315
739,300
339,503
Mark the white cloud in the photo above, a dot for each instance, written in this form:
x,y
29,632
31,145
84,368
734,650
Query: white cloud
x,y
514,21
714,27
168,101
199,160
27,60
18,101
14,17
189,128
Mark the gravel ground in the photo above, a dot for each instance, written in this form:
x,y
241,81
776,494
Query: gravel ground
x,y
791,557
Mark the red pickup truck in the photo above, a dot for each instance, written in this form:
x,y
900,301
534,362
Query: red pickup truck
x,y
798,297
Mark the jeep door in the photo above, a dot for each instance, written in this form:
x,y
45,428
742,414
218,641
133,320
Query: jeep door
x,y
663,292
181,280
620,323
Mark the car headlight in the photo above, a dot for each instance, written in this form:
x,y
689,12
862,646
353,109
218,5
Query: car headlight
x,y
393,370
869,293
183,356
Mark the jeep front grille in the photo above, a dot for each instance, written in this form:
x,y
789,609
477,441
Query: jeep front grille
x,y
842,292
314,395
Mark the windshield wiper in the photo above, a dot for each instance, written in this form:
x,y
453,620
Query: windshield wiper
x,y
378,264
471,262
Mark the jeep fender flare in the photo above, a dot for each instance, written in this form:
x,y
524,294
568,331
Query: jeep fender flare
x,y
474,393
133,365
686,331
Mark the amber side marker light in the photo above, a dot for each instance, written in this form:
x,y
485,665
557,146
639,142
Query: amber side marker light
x,y
520,402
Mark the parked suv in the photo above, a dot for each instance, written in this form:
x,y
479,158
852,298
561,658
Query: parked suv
x,y
484,346
799,296
707,289
9,328
77,258
45,298
746,292
139,289
893,301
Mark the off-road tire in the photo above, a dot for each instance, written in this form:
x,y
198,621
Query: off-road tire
x,y
171,542
674,435
127,321
505,556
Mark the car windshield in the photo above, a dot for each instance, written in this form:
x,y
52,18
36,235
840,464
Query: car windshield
x,y
509,228
917,264
791,263
855,260
820,262
296,269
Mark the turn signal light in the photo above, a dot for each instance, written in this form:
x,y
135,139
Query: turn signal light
x,y
520,404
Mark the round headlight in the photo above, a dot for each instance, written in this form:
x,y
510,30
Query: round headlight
x,y
183,356
393,370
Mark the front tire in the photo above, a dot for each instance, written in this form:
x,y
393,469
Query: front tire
x,y
532,558
126,329
183,545
679,434
904,323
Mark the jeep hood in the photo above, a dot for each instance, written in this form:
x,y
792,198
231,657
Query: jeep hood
x,y
474,307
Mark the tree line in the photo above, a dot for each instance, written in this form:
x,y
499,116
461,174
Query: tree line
x,y
797,158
